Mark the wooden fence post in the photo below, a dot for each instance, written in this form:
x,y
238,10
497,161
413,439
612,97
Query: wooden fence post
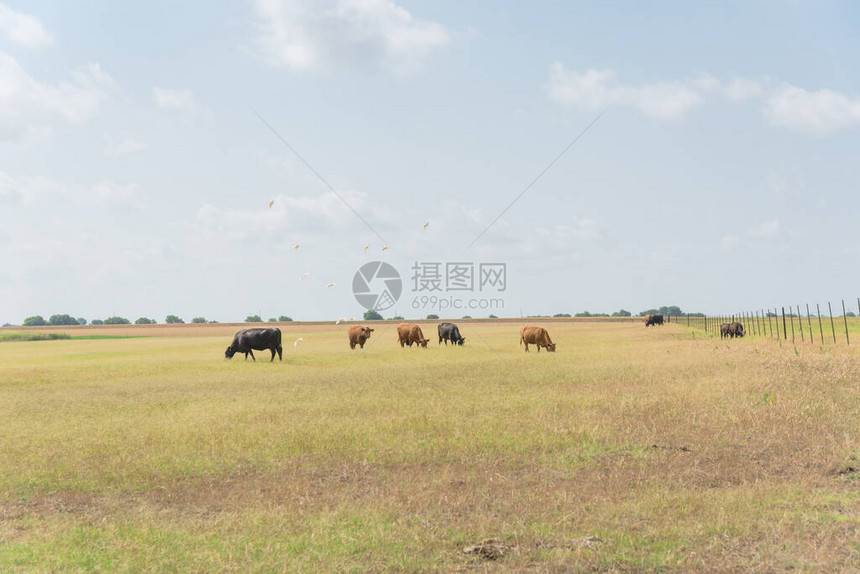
x,y
845,319
809,324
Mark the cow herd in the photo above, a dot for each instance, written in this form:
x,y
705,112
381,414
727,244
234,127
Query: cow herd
x,y
261,339
732,330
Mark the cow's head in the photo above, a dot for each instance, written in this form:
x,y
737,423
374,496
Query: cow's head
x,y
461,341
423,342
551,347
228,354
366,331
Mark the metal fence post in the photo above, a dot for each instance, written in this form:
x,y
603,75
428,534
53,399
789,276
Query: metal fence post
x,y
820,328
800,323
832,328
845,319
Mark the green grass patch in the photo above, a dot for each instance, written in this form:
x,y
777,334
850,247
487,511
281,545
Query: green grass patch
x,y
16,337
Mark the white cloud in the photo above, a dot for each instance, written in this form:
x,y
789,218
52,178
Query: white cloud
x,y
581,229
174,99
765,229
594,90
22,29
28,106
124,147
820,112
31,191
309,34
744,89
289,218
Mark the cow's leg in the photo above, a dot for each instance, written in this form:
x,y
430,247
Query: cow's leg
x,y
351,345
527,347
252,355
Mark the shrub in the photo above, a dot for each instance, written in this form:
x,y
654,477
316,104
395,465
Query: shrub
x,y
62,320
35,321
371,315
562,315
432,316
116,321
493,316
97,322
253,319
198,320
144,321
173,319
285,319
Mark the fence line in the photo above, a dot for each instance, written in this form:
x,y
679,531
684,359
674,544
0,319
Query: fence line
x,y
759,323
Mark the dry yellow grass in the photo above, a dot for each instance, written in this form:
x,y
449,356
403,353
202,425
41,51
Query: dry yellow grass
x,y
628,449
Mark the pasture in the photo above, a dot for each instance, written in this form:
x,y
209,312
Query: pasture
x,y
628,449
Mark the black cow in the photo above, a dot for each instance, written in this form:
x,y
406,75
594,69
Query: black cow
x,y
736,329
249,340
725,330
450,332
653,320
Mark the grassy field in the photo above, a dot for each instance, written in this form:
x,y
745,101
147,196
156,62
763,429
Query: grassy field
x,y
630,449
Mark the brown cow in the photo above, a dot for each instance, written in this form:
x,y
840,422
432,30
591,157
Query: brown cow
x,y
536,336
409,333
358,335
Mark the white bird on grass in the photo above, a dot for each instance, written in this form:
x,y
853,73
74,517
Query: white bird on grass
x,y
296,342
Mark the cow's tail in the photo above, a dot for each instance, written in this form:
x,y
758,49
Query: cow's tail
x,y
279,337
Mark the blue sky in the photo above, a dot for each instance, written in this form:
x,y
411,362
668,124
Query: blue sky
x,y
136,177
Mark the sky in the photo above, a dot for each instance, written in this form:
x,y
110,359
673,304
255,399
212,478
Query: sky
x,y
166,158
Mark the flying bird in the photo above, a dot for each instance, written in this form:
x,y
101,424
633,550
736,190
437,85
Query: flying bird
x,y
366,247
304,276
296,246
271,203
296,342
385,248
426,224
329,286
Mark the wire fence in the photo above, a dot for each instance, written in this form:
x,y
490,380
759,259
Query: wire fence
x,y
784,323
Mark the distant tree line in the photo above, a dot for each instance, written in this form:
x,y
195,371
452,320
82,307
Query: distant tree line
x,y
672,310
65,319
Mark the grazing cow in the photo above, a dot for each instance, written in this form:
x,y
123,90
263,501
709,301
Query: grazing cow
x,y
725,330
358,335
409,333
450,332
653,320
536,336
249,340
736,329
